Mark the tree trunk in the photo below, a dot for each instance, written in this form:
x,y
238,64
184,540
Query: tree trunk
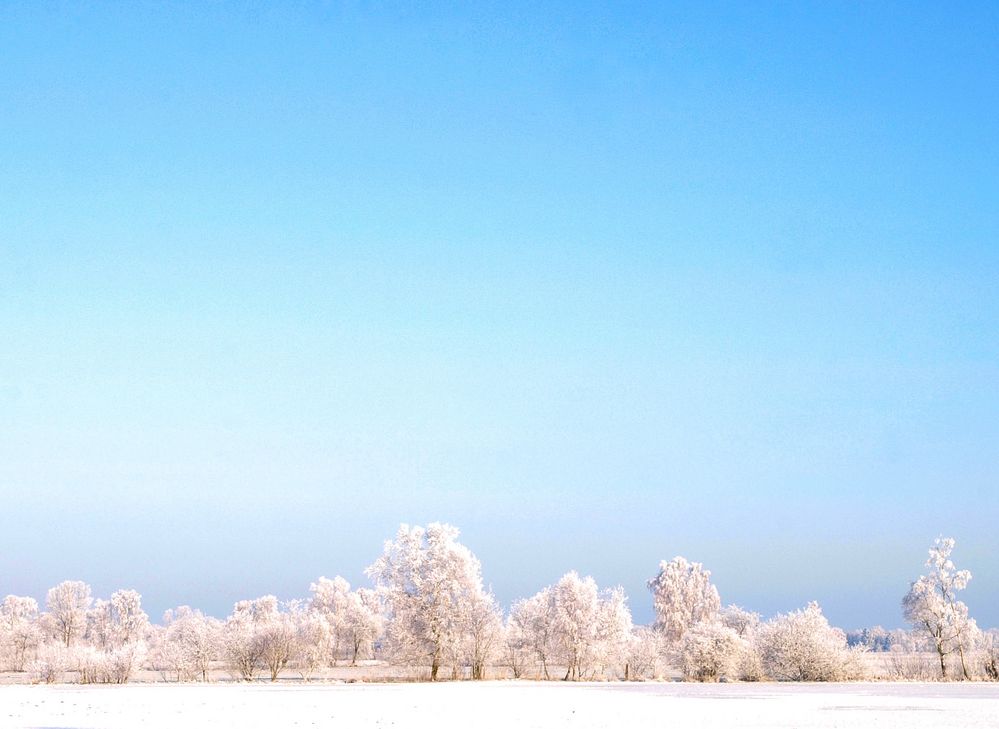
x,y
964,666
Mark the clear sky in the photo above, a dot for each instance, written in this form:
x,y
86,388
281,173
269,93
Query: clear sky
x,y
600,284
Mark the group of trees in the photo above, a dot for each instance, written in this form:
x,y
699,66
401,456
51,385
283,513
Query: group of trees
x,y
103,640
430,608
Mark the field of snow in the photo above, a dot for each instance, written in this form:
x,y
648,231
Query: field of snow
x,y
500,704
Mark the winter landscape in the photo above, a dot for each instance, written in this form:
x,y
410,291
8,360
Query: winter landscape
x,y
521,364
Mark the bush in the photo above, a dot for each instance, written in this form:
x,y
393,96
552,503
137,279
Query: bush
x,y
802,646
709,651
51,663
114,666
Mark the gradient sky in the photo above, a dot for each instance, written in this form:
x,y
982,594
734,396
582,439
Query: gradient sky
x,y
600,285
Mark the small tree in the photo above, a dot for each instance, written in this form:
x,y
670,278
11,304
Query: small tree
x,y
485,633
191,643
575,615
931,605
574,624
243,635
990,655
67,604
19,632
331,600
118,621
530,629
644,650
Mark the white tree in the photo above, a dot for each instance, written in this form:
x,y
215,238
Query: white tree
x,y
365,622
278,636
931,605
484,637
330,599
118,621
428,578
243,643
742,621
516,647
614,630
191,642
575,625
575,613
19,632
802,646
354,619
128,619
530,630
98,630
67,605
314,640
643,653
710,650
683,596
990,654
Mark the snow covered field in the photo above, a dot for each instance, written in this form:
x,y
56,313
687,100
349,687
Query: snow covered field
x,y
501,704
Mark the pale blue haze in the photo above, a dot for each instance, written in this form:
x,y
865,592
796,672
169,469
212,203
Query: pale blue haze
x,y
600,284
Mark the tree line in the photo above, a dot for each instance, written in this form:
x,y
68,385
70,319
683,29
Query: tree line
x,y
429,608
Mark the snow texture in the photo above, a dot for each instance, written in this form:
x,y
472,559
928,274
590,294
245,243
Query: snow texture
x,y
500,704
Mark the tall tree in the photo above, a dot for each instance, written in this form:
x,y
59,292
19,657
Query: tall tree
x,y
428,578
932,607
683,597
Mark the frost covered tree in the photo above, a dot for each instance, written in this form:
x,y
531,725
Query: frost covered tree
x,y
129,621
990,655
802,646
517,653
530,630
67,605
710,650
330,600
245,636
742,621
643,653
365,622
932,607
19,632
314,639
278,635
428,579
354,618
574,614
575,625
615,630
118,621
683,596
484,638
191,642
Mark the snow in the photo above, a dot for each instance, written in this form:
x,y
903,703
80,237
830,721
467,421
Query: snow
x,y
500,704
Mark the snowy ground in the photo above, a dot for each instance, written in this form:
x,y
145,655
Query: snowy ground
x,y
500,704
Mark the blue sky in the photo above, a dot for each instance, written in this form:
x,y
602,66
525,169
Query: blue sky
x,y
600,285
